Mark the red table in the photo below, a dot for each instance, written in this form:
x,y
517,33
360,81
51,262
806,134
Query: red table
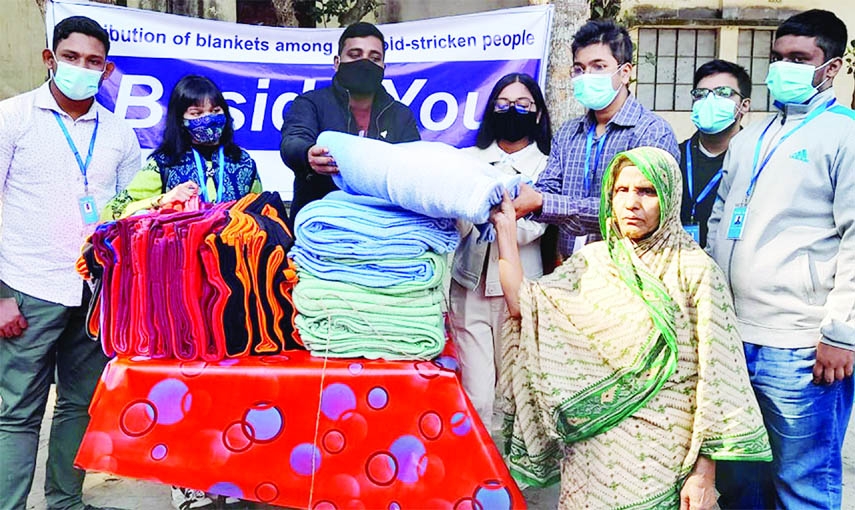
x,y
298,431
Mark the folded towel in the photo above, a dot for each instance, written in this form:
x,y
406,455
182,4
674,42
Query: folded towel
x,y
430,178
340,320
345,225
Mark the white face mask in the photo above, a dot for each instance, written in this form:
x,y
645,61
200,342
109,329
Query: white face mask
x,y
76,83
792,83
595,91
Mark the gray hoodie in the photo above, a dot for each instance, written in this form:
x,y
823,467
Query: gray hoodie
x,y
793,271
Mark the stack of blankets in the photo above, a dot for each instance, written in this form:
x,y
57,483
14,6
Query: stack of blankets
x,y
370,278
205,284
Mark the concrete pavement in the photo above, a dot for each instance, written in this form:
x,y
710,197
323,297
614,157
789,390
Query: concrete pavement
x,y
102,490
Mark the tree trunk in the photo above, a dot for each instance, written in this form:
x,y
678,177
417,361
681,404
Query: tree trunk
x,y
357,11
569,16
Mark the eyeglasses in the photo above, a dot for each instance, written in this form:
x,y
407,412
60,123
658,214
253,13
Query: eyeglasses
x,y
578,71
723,91
521,105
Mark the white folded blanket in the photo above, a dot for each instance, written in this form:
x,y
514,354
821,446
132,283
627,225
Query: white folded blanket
x,y
430,178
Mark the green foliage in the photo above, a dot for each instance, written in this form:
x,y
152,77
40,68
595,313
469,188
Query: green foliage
x,y
849,57
605,9
344,11
849,63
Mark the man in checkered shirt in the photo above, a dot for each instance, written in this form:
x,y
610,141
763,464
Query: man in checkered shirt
x,y
567,193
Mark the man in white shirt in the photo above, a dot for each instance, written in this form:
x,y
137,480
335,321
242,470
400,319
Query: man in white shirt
x,y
62,157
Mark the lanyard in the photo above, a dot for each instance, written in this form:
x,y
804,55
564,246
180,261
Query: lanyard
x,y
757,169
84,166
589,174
203,181
691,178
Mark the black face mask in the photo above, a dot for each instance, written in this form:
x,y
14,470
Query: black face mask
x,y
360,76
513,125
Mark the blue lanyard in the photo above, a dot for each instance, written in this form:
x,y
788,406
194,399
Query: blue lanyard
x,y
84,166
691,178
757,169
203,181
589,175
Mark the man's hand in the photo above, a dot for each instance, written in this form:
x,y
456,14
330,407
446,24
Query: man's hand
x,y
529,200
832,364
698,493
12,323
321,161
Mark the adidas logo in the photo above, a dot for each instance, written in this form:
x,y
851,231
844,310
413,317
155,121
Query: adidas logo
x,y
801,155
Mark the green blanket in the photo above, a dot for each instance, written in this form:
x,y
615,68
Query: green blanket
x,y
341,320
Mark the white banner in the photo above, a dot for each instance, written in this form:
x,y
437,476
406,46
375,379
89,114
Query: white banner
x,y
442,68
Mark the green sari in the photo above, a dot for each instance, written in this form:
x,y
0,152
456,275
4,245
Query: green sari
x,y
626,364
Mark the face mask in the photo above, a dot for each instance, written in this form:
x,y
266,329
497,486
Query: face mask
x,y
713,114
792,83
207,129
76,83
512,125
595,91
360,76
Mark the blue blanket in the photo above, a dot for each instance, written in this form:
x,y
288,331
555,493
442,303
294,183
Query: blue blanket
x,y
430,178
344,225
425,270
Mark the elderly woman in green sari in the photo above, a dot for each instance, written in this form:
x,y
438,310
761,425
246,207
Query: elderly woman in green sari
x,y
623,373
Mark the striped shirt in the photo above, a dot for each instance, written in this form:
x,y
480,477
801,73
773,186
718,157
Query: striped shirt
x,y
566,202
41,226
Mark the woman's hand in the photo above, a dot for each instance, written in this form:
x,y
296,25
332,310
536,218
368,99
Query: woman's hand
x,y
180,194
503,217
698,493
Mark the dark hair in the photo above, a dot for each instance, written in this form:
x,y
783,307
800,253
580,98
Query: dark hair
x,y
543,134
608,32
829,30
80,25
360,29
189,91
723,66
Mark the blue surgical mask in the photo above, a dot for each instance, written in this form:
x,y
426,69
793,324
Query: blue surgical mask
x,y
76,83
595,91
791,82
713,114
206,129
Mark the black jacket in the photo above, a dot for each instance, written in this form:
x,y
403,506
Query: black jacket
x,y
328,109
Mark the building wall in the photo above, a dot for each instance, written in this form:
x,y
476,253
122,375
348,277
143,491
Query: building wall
x,y
407,10
728,18
21,45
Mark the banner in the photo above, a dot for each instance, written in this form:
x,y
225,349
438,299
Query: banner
x,y
442,68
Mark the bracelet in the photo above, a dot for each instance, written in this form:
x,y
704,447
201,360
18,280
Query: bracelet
x,y
158,202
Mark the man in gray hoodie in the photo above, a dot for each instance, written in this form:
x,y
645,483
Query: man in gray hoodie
x,y
783,230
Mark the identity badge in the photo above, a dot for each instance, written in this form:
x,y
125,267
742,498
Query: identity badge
x,y
694,230
737,221
88,209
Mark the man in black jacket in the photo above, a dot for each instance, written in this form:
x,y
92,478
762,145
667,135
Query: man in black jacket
x,y
355,103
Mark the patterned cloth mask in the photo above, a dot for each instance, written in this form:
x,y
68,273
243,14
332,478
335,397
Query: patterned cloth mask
x,y
207,129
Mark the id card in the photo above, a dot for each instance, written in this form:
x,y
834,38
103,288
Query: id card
x,y
88,209
694,230
737,221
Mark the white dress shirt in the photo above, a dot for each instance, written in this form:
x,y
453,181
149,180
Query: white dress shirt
x,y
41,184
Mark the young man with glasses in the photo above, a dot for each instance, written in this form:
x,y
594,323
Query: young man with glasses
x,y
567,193
783,231
721,97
